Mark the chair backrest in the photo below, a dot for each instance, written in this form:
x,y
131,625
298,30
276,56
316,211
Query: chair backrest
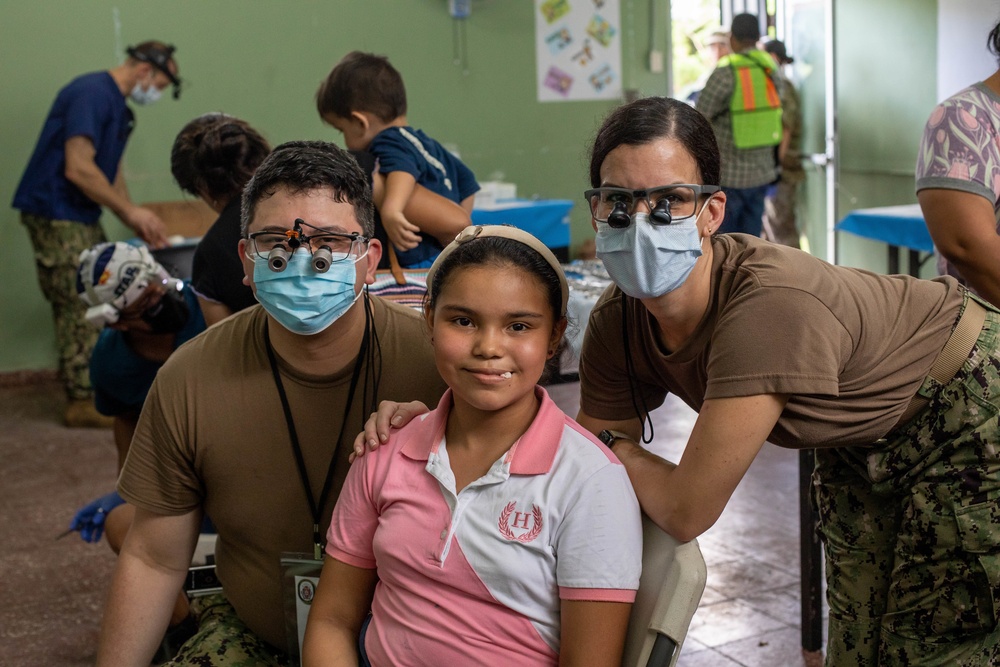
x,y
673,579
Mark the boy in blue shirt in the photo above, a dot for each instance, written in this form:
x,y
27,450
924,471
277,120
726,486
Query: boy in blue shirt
x,y
364,98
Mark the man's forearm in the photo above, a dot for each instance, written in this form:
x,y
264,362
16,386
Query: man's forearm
x,y
92,182
137,612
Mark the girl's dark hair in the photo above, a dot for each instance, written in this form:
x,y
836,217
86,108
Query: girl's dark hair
x,y
500,252
215,155
993,42
650,118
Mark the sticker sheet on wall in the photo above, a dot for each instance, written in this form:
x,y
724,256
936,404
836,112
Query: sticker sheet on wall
x,y
578,50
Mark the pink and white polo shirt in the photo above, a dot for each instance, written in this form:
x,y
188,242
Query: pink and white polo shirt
x,y
477,577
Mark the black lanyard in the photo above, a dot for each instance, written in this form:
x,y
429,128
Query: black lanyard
x,y
315,507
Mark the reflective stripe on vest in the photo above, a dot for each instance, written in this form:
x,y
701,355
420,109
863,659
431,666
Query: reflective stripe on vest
x,y
755,108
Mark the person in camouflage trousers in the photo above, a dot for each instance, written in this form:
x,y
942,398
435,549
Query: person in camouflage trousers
x,y
224,640
780,202
57,245
922,508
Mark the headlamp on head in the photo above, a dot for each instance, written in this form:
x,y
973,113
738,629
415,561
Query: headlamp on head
x,y
160,59
113,276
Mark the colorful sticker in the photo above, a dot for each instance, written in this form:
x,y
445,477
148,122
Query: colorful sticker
x,y
584,55
602,78
600,30
553,10
559,81
558,40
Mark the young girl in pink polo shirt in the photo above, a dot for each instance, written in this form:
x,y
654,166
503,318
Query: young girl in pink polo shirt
x,y
494,530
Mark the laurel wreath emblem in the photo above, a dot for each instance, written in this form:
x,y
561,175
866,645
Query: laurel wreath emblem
x,y
504,523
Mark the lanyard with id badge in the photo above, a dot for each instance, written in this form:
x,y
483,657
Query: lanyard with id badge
x,y
300,572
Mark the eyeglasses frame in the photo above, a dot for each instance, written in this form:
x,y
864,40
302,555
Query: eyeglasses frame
x,y
297,239
699,191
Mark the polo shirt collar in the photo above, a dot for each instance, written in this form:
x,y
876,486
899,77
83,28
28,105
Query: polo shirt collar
x,y
532,454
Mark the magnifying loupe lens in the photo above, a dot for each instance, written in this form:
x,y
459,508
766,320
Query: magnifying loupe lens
x,y
322,259
277,259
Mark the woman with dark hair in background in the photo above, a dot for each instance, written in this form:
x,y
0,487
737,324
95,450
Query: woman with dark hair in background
x,y
958,182
213,158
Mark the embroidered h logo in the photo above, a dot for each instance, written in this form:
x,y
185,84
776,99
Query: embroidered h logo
x,y
532,523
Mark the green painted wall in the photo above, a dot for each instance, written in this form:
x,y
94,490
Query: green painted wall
x,y
886,88
262,61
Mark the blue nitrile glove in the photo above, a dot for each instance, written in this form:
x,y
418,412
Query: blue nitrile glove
x,y
89,519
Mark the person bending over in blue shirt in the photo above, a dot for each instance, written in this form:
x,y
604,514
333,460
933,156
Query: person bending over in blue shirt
x,y
144,315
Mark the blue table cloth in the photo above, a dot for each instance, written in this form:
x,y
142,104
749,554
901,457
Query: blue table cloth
x,y
547,219
901,226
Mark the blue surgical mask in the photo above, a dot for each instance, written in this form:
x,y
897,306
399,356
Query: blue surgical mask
x,y
647,260
302,300
145,96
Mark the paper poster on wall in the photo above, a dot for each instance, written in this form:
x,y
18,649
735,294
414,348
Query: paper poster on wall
x,y
578,50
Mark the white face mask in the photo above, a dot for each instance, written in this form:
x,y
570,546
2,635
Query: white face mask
x,y
145,96
647,260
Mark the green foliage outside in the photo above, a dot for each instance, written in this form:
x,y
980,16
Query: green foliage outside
x,y
691,22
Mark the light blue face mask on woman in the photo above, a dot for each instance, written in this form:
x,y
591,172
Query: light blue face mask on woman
x,y
303,300
647,260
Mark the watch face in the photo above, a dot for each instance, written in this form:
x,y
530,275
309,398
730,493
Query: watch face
x,y
608,437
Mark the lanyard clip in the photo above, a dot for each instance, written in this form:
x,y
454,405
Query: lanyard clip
x,y
317,547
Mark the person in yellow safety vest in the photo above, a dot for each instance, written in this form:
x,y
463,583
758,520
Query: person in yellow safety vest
x,y
743,101
754,108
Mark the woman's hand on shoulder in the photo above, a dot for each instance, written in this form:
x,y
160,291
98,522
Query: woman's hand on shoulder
x,y
389,415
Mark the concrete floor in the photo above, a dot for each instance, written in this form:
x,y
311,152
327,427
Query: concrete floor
x,y
52,591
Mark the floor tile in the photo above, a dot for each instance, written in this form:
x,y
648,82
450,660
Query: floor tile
x,y
732,620
781,603
742,577
706,658
773,648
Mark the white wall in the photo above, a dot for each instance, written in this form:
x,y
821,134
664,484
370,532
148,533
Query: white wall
x,y
962,56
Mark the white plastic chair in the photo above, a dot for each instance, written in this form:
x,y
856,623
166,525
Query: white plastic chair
x,y
673,579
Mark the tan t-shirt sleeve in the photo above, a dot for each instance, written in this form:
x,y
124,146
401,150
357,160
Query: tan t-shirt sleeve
x,y
159,473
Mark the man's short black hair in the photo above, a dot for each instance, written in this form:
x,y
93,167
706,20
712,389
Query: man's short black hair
x,y
746,28
302,166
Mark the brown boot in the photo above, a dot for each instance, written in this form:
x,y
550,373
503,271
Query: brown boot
x,y
81,413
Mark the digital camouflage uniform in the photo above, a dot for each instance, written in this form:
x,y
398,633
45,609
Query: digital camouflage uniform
x,y
911,527
223,640
780,204
57,244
